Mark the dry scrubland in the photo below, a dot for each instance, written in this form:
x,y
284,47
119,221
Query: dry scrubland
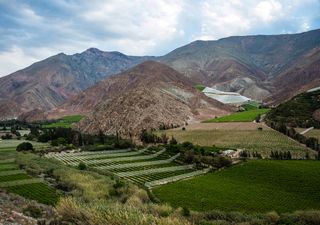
x,y
239,135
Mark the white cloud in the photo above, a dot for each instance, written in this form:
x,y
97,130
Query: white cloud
x,y
31,33
268,11
13,59
138,24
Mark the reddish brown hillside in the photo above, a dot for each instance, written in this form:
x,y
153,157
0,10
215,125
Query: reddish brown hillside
x,y
148,96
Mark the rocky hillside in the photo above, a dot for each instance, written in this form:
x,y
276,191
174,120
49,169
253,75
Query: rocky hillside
x,y
149,96
50,82
304,75
301,111
250,65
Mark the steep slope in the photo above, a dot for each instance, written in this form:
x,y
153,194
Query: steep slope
x,y
50,82
245,64
300,111
149,95
304,75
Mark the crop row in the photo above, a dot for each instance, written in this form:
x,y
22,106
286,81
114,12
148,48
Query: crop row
x,y
11,172
145,167
36,191
71,157
51,155
119,159
139,164
10,166
154,171
6,161
20,182
142,179
162,181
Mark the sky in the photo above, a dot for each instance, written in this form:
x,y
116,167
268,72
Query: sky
x,y
32,30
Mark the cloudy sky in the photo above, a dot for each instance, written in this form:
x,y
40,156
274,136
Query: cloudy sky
x,y
32,30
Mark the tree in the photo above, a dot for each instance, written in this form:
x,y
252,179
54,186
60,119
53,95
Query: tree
x,y
173,141
258,118
25,146
6,136
101,137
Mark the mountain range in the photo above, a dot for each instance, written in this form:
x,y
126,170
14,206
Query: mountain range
x,y
109,86
49,83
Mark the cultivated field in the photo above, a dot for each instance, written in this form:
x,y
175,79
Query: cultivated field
x,y
312,133
8,147
18,181
144,167
65,121
246,116
255,186
244,136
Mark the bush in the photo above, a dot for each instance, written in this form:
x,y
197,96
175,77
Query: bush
x,y
185,211
25,146
82,166
33,211
6,136
221,161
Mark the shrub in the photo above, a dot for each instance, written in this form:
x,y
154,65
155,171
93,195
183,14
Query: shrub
x,y
82,166
33,211
185,211
25,146
221,161
6,136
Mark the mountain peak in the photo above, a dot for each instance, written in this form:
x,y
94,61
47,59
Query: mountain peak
x,y
93,51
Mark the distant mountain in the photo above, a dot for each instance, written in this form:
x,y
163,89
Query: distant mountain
x,y
148,96
250,65
50,82
272,68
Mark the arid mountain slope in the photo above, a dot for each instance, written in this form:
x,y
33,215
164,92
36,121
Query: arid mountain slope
x,y
50,82
247,64
304,75
149,95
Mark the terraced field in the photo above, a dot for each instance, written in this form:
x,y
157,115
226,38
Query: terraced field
x,y
18,181
139,166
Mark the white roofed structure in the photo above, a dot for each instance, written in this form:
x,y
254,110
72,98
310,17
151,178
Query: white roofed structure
x,y
225,97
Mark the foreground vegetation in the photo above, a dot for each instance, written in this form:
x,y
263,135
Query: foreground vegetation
x,y
255,186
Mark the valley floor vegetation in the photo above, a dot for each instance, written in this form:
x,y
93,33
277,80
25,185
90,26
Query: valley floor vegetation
x,y
100,179
254,186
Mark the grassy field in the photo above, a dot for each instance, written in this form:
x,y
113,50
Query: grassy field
x,y
65,121
263,141
8,147
246,116
256,186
